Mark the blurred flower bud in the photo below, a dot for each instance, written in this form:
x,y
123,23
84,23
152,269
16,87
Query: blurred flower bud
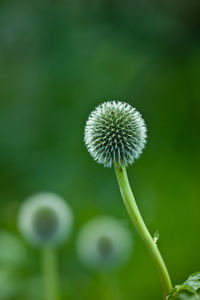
x,y
45,219
104,243
12,250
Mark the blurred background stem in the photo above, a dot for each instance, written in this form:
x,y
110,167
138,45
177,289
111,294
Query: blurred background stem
x,y
109,286
141,228
50,273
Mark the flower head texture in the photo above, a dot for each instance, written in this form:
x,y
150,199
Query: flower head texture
x,y
104,243
115,133
45,219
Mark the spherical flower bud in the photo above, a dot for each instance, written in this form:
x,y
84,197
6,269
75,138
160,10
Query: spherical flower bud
x,y
12,250
45,219
104,243
115,133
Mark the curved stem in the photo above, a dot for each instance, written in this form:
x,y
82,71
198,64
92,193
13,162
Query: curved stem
x,y
50,273
141,228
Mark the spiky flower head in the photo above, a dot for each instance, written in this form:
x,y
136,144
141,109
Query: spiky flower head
x,y
115,133
104,243
45,219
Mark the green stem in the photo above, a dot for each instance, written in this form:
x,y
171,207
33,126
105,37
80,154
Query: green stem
x,y
109,286
141,228
50,273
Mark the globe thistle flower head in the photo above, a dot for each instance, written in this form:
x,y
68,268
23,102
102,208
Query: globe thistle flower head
x,y
45,219
115,133
104,243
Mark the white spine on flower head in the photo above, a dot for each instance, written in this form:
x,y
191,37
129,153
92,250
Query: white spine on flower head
x,y
104,243
45,219
115,133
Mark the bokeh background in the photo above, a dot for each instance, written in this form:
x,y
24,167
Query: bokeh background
x,y
58,60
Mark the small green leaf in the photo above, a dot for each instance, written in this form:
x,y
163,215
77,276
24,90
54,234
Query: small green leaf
x,y
189,290
156,236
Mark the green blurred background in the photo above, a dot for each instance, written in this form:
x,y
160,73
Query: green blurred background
x,y
58,60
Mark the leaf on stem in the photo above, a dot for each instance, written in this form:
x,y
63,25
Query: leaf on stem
x,y
156,237
189,290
